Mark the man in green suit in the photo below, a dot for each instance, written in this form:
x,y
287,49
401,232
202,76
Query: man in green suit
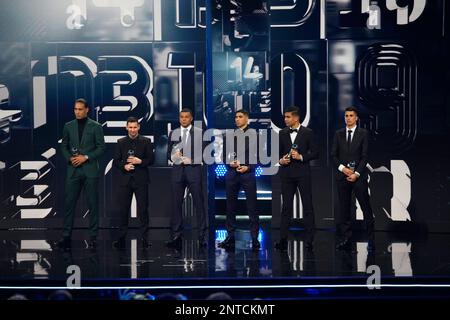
x,y
82,145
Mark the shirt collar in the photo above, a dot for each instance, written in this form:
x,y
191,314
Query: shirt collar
x,y
298,128
352,128
188,128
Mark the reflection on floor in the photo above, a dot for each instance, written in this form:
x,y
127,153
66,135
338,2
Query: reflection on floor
x,y
29,255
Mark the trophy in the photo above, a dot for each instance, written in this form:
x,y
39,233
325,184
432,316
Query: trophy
x,y
293,147
130,153
352,165
175,149
75,152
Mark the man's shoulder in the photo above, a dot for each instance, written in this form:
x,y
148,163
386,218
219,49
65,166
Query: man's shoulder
x,y
341,130
70,123
121,140
145,139
284,130
94,123
306,129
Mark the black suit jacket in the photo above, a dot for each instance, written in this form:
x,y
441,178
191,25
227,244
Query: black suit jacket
x,y
247,154
195,139
306,146
358,151
143,149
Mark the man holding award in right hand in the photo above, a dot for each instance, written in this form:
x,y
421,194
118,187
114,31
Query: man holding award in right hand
x,y
350,154
297,148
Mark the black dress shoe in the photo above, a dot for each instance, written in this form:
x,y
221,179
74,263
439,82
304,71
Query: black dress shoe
x,y
343,244
64,243
228,243
281,245
119,244
255,244
145,244
176,242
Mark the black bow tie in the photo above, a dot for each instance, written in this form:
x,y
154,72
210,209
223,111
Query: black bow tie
x,y
293,130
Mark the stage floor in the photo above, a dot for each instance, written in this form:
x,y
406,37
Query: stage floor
x,y
26,257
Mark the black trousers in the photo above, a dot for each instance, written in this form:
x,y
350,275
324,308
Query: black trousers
x,y
233,182
289,187
191,177
125,197
360,188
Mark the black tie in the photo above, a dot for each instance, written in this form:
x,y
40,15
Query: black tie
x,y
349,138
293,130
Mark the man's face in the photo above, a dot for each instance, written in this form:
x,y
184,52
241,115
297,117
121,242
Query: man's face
x,y
80,110
291,120
185,119
241,120
350,118
133,129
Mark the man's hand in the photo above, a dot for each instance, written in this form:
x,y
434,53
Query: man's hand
x,y
348,172
285,160
352,178
129,167
78,160
242,169
134,160
186,160
295,155
235,164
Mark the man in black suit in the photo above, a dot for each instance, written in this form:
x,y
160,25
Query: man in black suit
x,y
185,151
297,148
350,155
133,155
241,173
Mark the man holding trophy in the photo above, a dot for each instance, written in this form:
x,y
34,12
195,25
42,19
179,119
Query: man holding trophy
x,y
133,155
297,148
82,145
350,154
241,173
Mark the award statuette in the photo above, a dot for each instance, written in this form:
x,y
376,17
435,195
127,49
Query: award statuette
x,y
74,151
293,147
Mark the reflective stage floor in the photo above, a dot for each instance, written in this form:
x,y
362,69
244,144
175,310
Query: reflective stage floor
x,y
27,257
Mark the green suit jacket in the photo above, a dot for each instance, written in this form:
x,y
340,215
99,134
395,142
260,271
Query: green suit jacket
x,y
92,144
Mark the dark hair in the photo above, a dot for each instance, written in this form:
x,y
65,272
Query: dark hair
x,y
349,109
244,112
83,101
187,110
294,110
132,119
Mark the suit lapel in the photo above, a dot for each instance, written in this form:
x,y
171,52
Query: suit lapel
x,y
297,138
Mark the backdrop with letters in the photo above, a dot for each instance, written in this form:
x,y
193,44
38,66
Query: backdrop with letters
x,y
147,58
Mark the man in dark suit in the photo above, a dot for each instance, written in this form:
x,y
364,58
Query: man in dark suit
x,y
350,154
133,155
297,148
241,173
82,145
185,151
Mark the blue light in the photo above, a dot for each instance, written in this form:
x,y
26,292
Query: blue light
x,y
220,170
221,234
258,171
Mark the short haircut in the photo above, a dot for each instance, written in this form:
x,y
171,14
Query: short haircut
x,y
349,109
83,101
244,112
294,110
187,110
132,119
